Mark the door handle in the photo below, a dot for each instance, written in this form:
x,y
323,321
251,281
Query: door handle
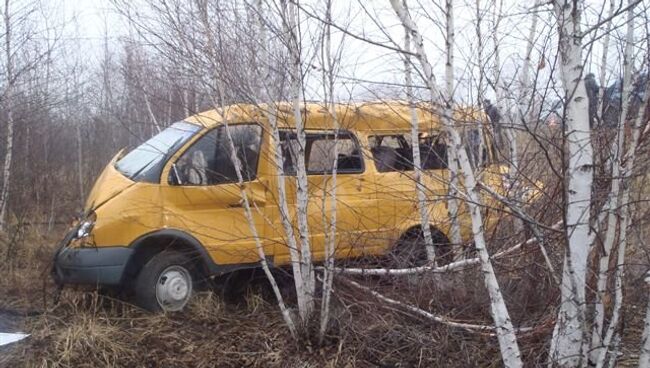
x,y
238,204
251,202
360,183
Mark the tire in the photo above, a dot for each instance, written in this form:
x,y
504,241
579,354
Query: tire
x,y
165,283
411,250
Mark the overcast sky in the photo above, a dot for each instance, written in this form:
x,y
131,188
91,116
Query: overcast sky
x,y
375,19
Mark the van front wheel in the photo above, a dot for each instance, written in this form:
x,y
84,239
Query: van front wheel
x,y
165,283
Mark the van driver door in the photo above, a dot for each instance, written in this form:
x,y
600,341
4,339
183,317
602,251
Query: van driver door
x,y
203,198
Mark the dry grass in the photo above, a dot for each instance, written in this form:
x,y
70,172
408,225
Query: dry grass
x,y
86,329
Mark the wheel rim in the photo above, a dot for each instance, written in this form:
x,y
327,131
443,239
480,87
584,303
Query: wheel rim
x,y
173,288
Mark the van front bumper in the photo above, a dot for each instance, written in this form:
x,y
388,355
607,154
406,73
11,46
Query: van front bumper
x,y
95,266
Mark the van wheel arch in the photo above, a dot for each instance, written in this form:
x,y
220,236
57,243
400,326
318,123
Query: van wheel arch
x,y
416,230
147,246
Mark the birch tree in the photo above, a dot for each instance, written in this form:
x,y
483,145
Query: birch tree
x,y
264,63
500,90
504,328
644,355
612,206
328,64
23,56
248,209
603,62
288,319
612,335
452,162
292,41
568,344
8,101
525,94
306,279
420,190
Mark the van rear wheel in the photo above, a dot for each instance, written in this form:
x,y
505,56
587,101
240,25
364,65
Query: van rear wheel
x,y
410,251
165,283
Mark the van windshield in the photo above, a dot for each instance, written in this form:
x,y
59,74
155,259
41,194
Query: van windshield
x,y
145,162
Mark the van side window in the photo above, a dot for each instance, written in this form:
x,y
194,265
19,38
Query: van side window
x,y
319,153
394,152
476,142
433,153
208,161
391,153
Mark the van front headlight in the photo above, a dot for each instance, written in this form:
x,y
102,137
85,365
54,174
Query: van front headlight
x,y
86,226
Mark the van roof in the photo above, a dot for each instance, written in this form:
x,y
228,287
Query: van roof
x,y
366,116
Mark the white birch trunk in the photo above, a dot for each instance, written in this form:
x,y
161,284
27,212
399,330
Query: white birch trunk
x,y
6,170
615,351
597,342
185,98
454,266
302,297
625,220
302,194
524,80
603,62
506,123
330,239
154,121
420,189
568,344
285,215
618,284
644,354
503,325
479,52
454,184
302,197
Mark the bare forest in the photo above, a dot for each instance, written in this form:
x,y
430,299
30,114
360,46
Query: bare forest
x,y
521,243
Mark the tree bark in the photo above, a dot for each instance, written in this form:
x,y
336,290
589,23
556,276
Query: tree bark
x,y
285,215
597,342
330,238
452,162
644,354
302,194
6,171
568,344
420,189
